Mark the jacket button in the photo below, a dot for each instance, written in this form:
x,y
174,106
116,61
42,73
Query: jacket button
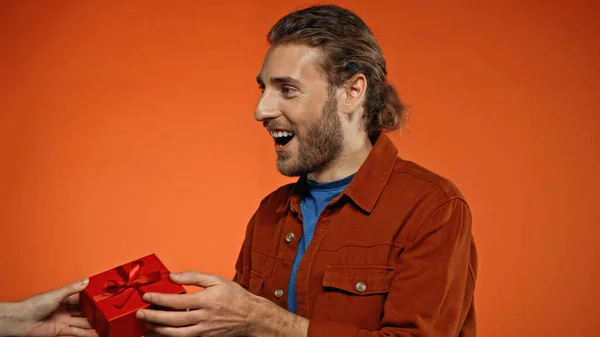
x,y
278,293
361,287
289,237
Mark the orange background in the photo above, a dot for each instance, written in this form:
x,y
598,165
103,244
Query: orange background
x,y
127,129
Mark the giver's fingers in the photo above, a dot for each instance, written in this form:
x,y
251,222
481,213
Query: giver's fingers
x,y
79,322
71,301
78,332
65,294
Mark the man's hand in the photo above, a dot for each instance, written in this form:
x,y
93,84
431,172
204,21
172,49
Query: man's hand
x,y
48,314
223,308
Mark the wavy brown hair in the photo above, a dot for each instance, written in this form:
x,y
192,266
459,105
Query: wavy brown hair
x,y
348,47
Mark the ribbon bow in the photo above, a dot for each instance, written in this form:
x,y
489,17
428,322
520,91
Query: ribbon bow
x,y
129,283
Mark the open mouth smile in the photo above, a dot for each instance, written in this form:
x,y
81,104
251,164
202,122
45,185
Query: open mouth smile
x,y
282,138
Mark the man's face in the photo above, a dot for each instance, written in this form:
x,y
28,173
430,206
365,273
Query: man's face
x,y
299,110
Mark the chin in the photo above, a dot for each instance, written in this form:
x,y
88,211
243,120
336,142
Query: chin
x,y
289,174
288,169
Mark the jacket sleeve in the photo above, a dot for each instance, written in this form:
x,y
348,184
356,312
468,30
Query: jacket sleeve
x,y
244,260
432,290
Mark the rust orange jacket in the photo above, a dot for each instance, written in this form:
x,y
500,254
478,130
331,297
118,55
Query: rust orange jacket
x,y
393,255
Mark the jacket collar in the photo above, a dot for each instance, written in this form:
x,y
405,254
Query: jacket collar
x,y
368,182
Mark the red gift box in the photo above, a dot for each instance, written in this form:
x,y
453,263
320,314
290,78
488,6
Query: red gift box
x,y
112,298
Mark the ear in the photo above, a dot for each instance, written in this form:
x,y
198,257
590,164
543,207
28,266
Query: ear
x,y
356,90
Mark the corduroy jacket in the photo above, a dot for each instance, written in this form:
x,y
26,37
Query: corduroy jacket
x,y
392,255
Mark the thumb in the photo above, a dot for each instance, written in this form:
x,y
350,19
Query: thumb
x,y
63,294
195,278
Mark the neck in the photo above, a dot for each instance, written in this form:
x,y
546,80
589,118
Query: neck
x,y
351,158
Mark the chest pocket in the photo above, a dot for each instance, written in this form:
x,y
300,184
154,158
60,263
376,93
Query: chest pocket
x,y
359,280
256,283
354,294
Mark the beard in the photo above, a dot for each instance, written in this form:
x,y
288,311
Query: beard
x,y
318,147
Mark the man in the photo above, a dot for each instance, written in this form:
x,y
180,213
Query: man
x,y
53,313
365,243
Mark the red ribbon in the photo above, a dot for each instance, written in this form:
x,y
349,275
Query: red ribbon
x,y
129,283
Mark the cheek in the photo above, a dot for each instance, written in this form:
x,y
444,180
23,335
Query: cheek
x,y
307,116
301,113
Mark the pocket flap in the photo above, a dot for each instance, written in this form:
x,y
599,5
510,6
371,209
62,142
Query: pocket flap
x,y
359,280
256,283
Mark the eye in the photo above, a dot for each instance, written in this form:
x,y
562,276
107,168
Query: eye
x,y
287,90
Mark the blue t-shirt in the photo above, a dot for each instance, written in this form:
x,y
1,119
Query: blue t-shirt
x,y
311,205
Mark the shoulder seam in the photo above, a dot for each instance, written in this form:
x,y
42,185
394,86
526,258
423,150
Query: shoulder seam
x,y
429,214
437,184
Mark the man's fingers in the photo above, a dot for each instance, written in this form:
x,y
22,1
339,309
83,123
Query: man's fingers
x,y
170,318
78,332
79,322
176,332
196,278
61,295
173,301
151,333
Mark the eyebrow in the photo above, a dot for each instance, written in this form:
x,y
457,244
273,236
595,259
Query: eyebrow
x,y
279,80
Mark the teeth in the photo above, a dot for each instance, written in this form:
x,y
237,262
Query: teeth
x,y
277,134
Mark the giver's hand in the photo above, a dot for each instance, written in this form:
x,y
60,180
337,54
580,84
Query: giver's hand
x,y
223,308
48,314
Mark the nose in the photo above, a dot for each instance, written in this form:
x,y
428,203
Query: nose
x,y
267,108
